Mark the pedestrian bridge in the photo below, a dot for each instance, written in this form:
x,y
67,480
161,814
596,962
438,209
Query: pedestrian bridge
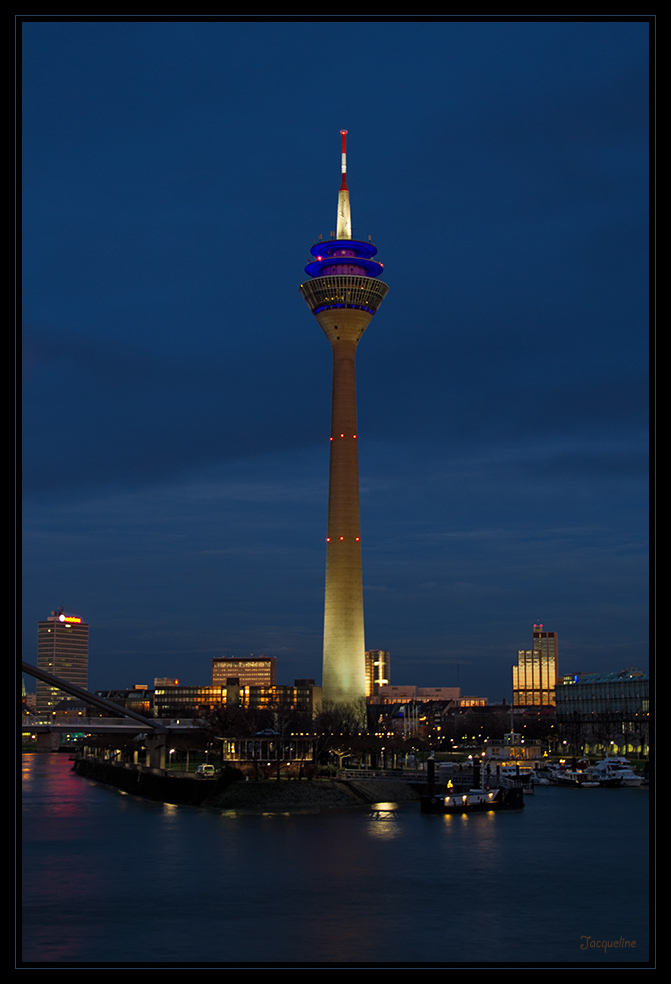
x,y
106,726
157,732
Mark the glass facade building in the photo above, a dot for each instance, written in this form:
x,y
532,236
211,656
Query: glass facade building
x,y
592,694
535,676
605,711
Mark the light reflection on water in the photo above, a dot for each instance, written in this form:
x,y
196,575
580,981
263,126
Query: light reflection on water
x,y
115,878
385,821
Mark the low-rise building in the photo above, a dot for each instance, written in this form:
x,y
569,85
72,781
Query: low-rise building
x,y
513,749
398,693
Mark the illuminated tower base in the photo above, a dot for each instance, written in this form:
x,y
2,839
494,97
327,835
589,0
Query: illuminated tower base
x,y
343,295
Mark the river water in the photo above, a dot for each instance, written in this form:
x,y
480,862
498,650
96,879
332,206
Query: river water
x,y
111,879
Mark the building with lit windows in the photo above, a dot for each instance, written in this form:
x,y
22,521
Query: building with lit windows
x,y
139,699
169,700
535,676
587,694
378,670
267,749
605,709
63,651
473,702
397,693
254,671
198,702
301,697
186,702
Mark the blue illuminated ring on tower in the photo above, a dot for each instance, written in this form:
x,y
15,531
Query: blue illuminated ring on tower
x,y
344,253
344,266
353,247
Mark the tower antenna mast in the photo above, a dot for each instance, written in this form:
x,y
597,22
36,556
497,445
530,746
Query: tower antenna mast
x,y
344,223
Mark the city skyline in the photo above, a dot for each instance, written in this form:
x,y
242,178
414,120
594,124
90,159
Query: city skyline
x,y
175,414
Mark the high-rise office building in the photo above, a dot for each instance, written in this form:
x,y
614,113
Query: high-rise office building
x,y
344,293
62,650
535,676
378,671
255,671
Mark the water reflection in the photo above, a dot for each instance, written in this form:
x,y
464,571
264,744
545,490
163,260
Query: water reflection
x,y
385,821
108,875
382,808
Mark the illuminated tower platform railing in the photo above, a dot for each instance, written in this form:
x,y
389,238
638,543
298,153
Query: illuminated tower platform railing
x,y
344,293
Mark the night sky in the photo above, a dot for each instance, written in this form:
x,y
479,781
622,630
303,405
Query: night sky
x,y
176,389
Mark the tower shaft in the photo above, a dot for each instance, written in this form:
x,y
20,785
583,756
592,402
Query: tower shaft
x,y
344,666
344,672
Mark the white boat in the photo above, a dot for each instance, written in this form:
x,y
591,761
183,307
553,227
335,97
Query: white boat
x,y
578,778
575,779
615,768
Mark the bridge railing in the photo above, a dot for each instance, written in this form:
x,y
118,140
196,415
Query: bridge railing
x,y
460,777
391,775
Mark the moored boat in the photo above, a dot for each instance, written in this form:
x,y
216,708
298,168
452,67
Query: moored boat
x,y
614,772
475,800
573,779
487,793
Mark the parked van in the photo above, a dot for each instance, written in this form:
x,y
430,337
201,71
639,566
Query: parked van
x,y
206,771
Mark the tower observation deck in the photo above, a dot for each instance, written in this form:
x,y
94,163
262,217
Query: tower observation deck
x,y
344,293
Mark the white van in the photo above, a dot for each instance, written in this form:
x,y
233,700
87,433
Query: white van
x,y
206,771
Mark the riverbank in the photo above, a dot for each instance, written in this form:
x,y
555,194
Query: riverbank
x,y
253,795
153,784
307,796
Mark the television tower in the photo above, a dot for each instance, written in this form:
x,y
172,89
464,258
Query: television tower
x,y
344,294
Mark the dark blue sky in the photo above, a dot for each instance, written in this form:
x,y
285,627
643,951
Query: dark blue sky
x,y
176,388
